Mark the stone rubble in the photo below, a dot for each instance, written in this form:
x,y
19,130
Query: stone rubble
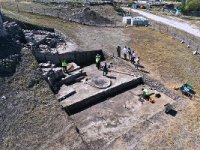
x,y
48,46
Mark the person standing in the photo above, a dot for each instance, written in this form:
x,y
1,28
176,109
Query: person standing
x,y
137,62
125,52
118,51
105,69
98,61
133,56
129,53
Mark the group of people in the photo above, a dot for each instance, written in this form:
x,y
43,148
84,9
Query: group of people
x,y
129,54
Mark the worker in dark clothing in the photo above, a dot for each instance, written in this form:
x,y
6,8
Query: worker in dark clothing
x,y
118,51
98,61
105,69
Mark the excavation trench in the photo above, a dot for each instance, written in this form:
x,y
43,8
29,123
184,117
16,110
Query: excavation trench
x,y
102,96
51,47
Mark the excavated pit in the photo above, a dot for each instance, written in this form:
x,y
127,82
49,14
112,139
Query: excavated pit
x,y
88,95
105,122
99,97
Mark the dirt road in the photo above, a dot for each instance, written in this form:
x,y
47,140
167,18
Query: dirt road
x,y
177,23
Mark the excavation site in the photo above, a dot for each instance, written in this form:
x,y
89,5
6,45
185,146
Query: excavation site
x,y
100,76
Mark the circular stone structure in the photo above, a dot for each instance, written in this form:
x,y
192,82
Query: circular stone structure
x,y
99,82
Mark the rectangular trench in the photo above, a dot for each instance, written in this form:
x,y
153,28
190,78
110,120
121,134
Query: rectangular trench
x,y
102,96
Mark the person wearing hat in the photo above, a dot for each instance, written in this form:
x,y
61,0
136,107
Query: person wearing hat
x,y
98,61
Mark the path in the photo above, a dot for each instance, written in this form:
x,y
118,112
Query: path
x,y
182,25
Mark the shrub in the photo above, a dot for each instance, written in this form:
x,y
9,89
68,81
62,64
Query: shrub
x,y
193,5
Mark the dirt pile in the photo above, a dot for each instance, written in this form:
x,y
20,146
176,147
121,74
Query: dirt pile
x,y
93,15
90,17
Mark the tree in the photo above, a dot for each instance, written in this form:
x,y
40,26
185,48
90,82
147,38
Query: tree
x,y
193,5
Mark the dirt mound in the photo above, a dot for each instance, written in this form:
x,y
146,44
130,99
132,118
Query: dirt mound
x,y
90,17
95,15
